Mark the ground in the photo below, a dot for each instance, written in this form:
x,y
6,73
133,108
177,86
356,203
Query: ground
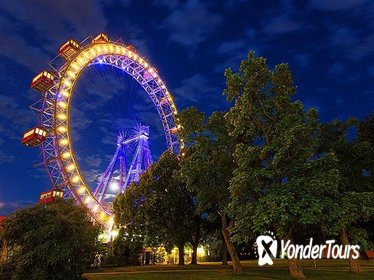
x,y
325,269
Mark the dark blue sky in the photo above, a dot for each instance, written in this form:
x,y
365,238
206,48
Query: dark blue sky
x,y
328,44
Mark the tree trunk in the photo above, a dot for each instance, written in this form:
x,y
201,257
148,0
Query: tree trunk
x,y
194,253
224,251
224,254
230,246
181,254
354,266
295,270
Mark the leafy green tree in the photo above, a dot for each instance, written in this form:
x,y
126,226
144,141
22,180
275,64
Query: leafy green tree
x,y
353,205
51,242
280,182
366,129
160,206
207,168
128,209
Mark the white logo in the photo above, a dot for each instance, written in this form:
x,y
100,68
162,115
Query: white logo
x,y
267,249
267,246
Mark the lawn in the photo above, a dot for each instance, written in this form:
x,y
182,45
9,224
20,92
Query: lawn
x,y
325,269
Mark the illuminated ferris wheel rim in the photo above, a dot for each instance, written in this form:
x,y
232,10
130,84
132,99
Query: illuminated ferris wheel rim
x,y
62,165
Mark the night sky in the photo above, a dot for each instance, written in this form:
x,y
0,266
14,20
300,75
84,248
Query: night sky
x,y
329,46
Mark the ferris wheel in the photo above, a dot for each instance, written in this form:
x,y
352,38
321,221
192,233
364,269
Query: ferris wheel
x,y
56,86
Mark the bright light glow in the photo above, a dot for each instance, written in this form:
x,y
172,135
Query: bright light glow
x,y
82,190
66,83
95,208
102,216
75,179
65,93
88,200
114,233
70,167
74,66
81,61
61,129
64,142
110,221
62,116
66,155
93,52
71,74
114,186
86,56
62,104
200,252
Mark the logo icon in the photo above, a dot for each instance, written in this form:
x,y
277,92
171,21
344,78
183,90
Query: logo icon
x,y
266,249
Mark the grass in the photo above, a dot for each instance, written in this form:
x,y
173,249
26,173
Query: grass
x,y
325,269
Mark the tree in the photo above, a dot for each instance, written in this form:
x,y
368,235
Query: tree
x,y
280,181
366,129
354,201
207,168
132,236
160,206
53,241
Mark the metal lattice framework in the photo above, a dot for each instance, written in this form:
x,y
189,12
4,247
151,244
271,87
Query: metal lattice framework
x,y
54,111
131,172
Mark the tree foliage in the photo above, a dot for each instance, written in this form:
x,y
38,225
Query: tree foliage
x,y
54,241
353,205
160,207
366,129
207,168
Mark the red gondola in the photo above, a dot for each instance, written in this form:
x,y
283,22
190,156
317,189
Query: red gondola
x,y
69,49
173,130
101,38
131,48
50,196
34,137
42,82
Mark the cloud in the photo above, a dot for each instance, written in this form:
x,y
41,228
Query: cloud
x,y
232,52
93,160
350,42
18,119
191,23
280,25
282,19
49,24
7,158
7,207
170,4
336,5
193,89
